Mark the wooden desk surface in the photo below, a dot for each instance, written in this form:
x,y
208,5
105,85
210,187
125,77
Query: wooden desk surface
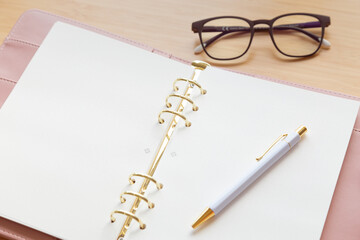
x,y
165,25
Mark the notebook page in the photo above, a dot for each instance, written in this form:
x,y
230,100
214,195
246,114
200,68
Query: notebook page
x,y
82,118
238,119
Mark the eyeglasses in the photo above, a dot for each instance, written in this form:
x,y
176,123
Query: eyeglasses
x,y
294,35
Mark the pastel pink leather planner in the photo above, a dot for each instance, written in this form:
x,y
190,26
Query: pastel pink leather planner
x,y
343,220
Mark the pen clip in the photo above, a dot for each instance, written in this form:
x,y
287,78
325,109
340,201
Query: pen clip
x,y
272,145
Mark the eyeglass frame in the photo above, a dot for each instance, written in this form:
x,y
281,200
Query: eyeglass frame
x,y
198,26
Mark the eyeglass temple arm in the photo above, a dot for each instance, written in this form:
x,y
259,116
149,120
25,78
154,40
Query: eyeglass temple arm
x,y
199,48
227,30
294,26
299,27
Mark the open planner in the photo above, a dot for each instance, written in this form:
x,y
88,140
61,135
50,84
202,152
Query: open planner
x,y
81,128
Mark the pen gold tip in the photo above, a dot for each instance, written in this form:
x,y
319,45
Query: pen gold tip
x,y
206,215
301,130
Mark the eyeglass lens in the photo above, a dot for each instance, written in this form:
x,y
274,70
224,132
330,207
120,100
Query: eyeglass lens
x,y
226,37
297,35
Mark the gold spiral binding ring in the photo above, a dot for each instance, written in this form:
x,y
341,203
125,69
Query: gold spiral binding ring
x,y
194,108
135,194
197,64
129,214
202,91
132,181
161,121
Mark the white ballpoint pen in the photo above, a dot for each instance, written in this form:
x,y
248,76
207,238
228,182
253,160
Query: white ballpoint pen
x,y
278,149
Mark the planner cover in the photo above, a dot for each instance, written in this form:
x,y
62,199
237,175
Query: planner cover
x,y
19,41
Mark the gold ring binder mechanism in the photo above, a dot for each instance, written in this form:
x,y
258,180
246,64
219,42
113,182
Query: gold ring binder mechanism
x,y
147,178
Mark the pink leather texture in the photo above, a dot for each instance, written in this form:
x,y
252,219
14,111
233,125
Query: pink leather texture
x,y
343,220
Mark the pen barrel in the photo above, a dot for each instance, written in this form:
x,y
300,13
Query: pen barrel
x,y
279,150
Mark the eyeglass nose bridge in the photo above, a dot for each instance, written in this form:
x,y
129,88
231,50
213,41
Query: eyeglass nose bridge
x,y
262,21
265,27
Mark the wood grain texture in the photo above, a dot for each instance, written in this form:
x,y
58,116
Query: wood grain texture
x,y
166,25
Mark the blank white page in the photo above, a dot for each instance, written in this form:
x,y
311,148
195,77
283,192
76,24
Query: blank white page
x,y
238,119
83,117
